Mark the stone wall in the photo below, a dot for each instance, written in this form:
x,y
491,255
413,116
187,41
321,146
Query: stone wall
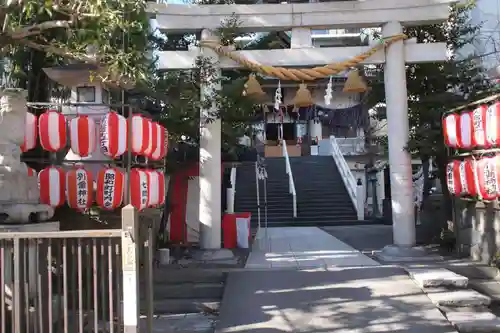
x,y
477,228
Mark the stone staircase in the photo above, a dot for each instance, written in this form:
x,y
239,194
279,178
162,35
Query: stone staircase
x,y
321,194
322,199
469,310
279,200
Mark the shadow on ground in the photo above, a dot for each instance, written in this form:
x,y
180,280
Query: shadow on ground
x,y
364,238
352,300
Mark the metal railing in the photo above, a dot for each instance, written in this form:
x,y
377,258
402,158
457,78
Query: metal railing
x,y
356,192
291,183
76,281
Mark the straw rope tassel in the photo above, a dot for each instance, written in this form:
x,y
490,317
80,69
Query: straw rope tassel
x,y
302,74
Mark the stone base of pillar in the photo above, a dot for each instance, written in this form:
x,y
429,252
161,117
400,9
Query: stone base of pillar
x,y
400,254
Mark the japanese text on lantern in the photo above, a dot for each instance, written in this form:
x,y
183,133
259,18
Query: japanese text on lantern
x,y
144,191
103,131
109,189
82,188
463,179
449,177
490,179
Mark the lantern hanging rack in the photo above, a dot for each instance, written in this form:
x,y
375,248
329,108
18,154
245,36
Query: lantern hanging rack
x,y
486,100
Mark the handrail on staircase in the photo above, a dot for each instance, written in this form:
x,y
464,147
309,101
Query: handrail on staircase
x,y
291,183
355,190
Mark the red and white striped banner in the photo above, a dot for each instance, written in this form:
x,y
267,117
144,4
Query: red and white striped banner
x,y
83,134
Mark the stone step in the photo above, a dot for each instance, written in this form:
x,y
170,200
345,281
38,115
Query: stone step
x,y
167,275
487,287
474,322
193,305
181,323
188,290
437,277
457,297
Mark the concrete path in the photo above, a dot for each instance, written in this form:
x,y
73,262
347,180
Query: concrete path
x,y
303,248
307,281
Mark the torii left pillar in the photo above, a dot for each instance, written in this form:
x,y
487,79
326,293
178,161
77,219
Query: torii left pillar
x,y
210,157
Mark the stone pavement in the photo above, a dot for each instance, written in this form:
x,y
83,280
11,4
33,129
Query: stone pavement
x,y
307,281
303,248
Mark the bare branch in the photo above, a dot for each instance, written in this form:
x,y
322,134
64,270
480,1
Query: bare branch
x,y
37,29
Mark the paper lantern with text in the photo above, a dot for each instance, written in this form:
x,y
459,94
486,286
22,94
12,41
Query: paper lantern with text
x,y
110,187
30,132
52,186
488,177
52,131
79,188
479,127
140,140
160,135
451,130
82,130
113,135
493,125
156,188
465,131
468,168
453,178
139,188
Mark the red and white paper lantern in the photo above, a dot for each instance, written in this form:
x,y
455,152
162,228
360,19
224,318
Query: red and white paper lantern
x,y
30,132
461,177
160,146
488,177
80,188
52,131
110,186
493,125
140,138
113,135
139,188
31,172
82,131
52,186
465,131
451,130
479,127
454,178
156,188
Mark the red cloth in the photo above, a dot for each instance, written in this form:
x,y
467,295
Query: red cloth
x,y
229,229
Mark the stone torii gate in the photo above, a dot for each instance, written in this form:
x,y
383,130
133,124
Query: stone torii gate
x,y
391,15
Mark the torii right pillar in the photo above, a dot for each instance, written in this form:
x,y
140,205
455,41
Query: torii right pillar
x,y
403,216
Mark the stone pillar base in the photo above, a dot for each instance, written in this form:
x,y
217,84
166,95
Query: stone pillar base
x,y
394,253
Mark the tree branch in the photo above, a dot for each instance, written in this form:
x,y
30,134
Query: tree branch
x,y
37,29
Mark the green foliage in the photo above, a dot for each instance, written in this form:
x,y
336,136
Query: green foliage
x,y
112,34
